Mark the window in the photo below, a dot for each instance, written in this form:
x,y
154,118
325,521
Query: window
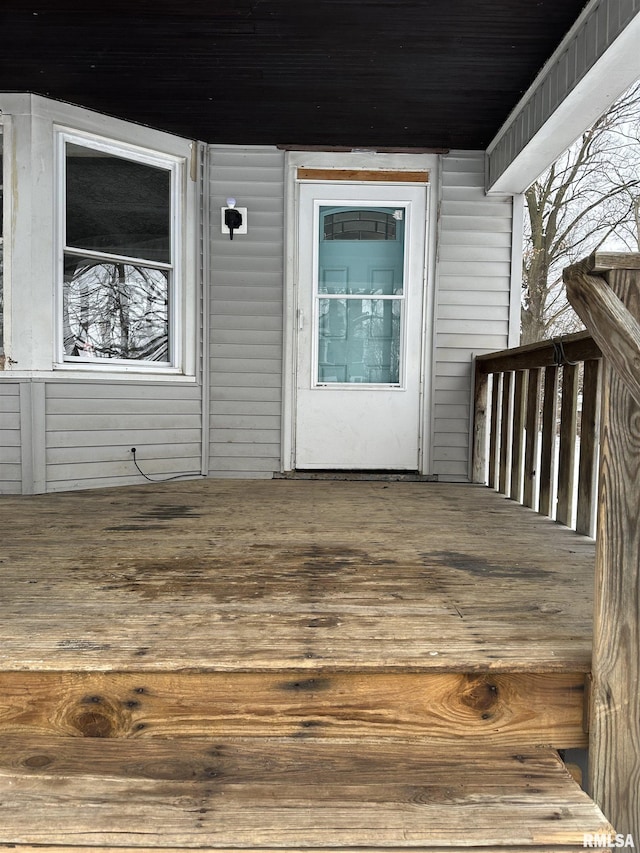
x,y
360,295
360,225
119,265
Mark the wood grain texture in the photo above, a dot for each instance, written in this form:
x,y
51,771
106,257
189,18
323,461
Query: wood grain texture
x,y
393,176
577,347
599,262
517,710
285,793
615,706
106,848
615,329
221,575
479,452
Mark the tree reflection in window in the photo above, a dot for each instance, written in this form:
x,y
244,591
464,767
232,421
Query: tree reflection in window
x,y
115,310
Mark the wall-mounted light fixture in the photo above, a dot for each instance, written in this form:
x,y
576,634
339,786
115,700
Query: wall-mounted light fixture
x,y
234,219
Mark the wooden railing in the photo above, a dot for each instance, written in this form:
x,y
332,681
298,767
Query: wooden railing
x,y
513,408
605,292
534,407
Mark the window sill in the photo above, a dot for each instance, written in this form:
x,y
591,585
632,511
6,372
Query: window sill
x,y
102,373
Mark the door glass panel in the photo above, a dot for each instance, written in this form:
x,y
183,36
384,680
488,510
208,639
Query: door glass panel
x,y
367,256
360,224
359,341
361,255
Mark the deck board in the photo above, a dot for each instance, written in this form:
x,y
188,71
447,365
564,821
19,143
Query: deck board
x,y
286,793
514,710
259,576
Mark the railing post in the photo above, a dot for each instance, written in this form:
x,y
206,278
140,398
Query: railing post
x,y
615,697
480,400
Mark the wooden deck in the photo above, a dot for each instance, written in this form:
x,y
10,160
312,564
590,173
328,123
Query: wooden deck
x,y
268,575
291,665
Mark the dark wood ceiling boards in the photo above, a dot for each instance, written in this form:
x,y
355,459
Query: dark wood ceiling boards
x,y
355,73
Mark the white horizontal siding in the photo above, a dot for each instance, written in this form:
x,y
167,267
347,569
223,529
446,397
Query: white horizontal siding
x,y
91,427
10,454
473,301
246,313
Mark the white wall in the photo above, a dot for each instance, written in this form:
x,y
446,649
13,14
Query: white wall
x,y
473,300
246,308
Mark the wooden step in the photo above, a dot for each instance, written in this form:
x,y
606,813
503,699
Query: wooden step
x,y
286,794
511,710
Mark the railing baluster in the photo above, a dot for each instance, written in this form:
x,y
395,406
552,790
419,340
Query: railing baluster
x,y
517,441
479,455
532,426
549,416
588,448
567,452
496,392
522,440
505,433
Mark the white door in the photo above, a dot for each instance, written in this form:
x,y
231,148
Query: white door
x,y
361,256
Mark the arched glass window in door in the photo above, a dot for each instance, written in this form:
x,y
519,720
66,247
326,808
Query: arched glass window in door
x,y
360,224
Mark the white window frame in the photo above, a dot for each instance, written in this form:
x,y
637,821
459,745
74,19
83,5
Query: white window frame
x,y
175,167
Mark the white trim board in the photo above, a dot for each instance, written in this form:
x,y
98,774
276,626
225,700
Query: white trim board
x,y
595,64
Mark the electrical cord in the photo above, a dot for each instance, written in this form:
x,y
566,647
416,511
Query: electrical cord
x,y
162,479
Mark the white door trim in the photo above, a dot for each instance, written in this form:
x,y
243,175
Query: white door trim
x,y
352,160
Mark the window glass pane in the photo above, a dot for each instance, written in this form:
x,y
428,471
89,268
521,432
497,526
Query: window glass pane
x,y
359,341
117,206
361,266
356,224
113,310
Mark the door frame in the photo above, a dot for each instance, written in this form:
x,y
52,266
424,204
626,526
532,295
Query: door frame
x,y
370,161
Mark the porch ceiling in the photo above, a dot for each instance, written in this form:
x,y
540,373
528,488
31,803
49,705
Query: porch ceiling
x,y
353,73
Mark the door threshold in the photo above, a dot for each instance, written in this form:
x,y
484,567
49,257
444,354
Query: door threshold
x,y
357,475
